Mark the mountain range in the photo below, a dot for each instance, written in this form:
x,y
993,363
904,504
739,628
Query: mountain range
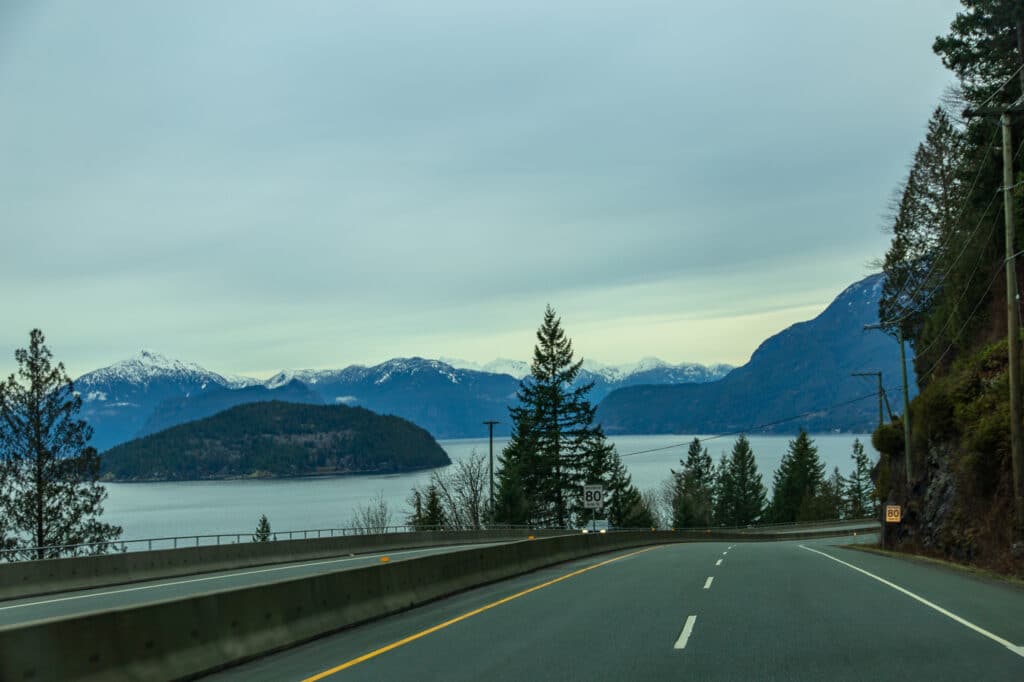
x,y
151,392
803,370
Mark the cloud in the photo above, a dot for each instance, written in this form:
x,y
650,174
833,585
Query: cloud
x,y
256,186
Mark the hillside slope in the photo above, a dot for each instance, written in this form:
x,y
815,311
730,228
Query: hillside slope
x,y
804,368
277,439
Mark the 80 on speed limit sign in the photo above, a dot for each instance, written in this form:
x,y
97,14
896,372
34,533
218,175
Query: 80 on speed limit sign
x,y
593,496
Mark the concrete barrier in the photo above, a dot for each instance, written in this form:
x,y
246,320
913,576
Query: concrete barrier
x,y
48,576
184,638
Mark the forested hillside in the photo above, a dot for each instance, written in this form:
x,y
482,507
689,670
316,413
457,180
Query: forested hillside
x,y
947,293
270,439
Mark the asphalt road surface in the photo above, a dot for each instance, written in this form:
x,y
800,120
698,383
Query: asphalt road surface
x,y
79,602
795,610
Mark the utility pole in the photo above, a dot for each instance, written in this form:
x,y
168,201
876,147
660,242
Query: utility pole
x,y
906,402
490,428
881,392
906,396
1012,319
1012,322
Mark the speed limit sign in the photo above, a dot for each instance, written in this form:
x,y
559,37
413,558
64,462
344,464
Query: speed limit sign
x,y
593,496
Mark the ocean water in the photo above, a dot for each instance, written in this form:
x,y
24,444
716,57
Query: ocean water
x,y
148,510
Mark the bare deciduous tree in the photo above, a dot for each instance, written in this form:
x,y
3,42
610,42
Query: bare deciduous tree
x,y
462,489
372,517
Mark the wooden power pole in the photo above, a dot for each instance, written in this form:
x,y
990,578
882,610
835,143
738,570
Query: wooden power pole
x,y
1012,323
490,428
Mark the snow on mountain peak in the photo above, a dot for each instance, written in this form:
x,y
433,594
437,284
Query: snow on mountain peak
x,y
147,365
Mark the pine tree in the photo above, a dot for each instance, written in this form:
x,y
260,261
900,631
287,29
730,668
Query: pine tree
x,y
262,530
554,444
982,50
627,507
797,480
51,494
860,491
724,495
427,509
828,503
928,212
746,488
693,503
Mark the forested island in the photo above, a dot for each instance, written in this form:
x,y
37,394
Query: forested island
x,y
276,440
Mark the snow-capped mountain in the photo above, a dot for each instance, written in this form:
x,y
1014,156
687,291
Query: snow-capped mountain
x,y
117,400
650,367
150,392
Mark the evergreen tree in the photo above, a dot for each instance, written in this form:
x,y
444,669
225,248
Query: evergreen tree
x,y
555,446
747,494
51,494
797,480
627,508
928,213
262,530
828,503
982,49
860,491
724,494
693,502
427,509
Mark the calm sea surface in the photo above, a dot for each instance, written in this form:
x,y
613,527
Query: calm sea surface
x,y
148,510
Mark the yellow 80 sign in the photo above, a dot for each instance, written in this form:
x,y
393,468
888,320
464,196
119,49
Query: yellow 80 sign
x,y
893,513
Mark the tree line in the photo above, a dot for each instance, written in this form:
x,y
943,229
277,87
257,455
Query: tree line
x,y
556,448
733,494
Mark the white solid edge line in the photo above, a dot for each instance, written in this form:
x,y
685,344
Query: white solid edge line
x,y
707,583
1019,650
225,575
718,563
684,636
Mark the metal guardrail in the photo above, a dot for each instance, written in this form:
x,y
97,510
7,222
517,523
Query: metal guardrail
x,y
174,542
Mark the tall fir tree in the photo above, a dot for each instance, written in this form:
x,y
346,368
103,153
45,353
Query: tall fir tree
x,y
797,480
860,491
724,494
263,532
693,500
51,494
746,490
627,507
927,214
555,446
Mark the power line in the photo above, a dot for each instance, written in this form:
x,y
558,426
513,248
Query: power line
x,y
963,293
759,427
963,207
1000,88
963,249
960,331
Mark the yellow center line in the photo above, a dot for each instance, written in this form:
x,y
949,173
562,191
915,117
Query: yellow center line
x,y
470,614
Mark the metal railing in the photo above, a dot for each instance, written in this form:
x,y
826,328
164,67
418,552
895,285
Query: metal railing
x,y
181,541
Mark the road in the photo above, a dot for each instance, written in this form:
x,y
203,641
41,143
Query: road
x,y
17,611
696,611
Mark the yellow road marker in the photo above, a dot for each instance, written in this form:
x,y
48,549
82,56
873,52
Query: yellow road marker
x,y
469,614
385,559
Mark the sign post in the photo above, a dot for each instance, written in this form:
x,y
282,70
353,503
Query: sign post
x,y
893,515
593,498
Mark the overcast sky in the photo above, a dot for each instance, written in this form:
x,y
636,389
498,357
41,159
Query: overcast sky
x,y
258,185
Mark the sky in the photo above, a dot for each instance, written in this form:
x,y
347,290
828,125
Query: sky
x,y
257,186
